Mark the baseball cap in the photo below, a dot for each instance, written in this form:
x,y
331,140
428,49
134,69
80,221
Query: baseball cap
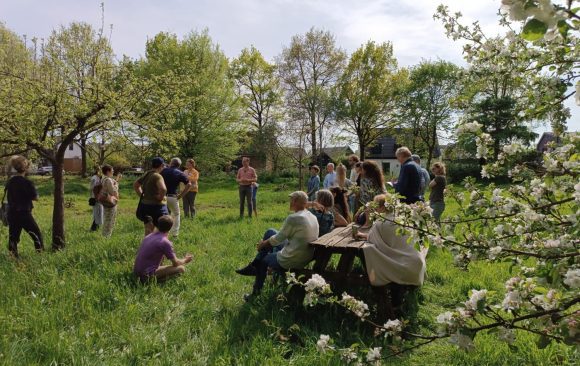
x,y
157,162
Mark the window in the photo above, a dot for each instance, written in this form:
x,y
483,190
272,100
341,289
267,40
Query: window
x,y
71,147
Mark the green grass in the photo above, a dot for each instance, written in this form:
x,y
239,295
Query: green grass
x,y
83,306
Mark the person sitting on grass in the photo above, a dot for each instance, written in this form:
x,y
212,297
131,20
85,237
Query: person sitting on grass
x,y
153,248
287,248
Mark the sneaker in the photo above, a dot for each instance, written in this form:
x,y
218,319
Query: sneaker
x,y
249,270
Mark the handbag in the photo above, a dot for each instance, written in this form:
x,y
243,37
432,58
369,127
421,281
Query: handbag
x,y
107,200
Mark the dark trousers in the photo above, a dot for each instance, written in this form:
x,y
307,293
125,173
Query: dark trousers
x,y
267,258
17,221
246,195
189,204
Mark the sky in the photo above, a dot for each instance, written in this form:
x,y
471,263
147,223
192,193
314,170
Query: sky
x,y
266,24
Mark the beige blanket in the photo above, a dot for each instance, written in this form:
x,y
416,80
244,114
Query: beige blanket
x,y
389,258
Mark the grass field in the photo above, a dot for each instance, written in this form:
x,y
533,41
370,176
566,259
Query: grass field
x,y
83,306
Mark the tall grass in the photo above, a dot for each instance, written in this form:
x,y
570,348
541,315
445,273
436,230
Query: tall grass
x,y
83,306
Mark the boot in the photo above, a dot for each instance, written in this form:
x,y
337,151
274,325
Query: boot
x,y
249,270
94,226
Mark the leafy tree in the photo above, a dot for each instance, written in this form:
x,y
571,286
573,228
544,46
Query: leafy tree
x,y
367,92
205,121
258,87
427,108
58,91
309,68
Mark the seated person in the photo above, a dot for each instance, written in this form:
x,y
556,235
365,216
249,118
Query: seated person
x,y
153,248
299,228
341,208
322,208
388,256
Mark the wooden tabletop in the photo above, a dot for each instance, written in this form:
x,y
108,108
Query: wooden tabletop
x,y
341,237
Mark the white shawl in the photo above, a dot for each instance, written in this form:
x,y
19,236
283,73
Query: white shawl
x,y
389,258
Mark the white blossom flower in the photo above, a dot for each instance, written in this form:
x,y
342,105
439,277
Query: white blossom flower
x,y
572,278
484,172
472,127
552,243
323,343
475,298
445,318
374,355
494,252
512,300
348,355
358,307
393,327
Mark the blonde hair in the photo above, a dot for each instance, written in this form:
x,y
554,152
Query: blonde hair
x,y
341,176
439,166
19,163
403,152
192,162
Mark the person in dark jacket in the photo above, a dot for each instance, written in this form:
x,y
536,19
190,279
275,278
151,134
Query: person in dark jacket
x,y
409,183
21,192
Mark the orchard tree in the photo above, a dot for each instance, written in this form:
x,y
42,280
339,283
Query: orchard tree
x,y
258,87
309,68
367,92
62,89
205,121
427,108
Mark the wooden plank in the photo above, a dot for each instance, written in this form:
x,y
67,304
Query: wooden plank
x,y
346,261
331,237
321,258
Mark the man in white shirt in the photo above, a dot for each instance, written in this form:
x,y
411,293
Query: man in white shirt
x,y
287,248
330,177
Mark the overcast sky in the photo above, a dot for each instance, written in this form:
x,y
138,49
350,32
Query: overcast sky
x,y
266,24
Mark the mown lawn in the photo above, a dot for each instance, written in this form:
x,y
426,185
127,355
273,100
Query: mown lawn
x,y
83,306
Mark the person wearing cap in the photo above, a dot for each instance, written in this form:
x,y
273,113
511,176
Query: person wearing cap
x,y
313,182
245,178
287,248
151,189
408,184
425,177
172,177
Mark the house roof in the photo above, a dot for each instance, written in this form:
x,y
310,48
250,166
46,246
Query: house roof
x,y
337,151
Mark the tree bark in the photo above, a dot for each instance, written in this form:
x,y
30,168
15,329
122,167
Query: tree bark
x,y
83,156
362,147
58,235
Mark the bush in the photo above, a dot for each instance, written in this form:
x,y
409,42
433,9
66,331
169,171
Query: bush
x,y
458,170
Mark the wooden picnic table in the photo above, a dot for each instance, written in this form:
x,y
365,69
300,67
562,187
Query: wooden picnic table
x,y
340,242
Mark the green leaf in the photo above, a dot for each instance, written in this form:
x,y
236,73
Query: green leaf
x,y
534,30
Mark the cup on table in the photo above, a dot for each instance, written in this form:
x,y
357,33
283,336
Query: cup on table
x,y
355,229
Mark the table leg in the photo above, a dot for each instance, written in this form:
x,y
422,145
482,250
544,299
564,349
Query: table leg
x,y
384,306
321,259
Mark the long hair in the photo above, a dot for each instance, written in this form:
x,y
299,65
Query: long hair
x,y
341,176
439,166
341,202
372,171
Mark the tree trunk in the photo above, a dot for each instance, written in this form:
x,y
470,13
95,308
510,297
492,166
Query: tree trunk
x,y
300,175
58,237
84,157
313,136
361,147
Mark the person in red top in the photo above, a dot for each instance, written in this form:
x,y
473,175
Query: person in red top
x,y
153,249
245,178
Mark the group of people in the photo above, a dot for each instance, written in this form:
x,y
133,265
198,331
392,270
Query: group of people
x,y
389,258
314,213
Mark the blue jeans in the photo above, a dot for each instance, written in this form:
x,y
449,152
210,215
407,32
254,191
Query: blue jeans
x,y
267,258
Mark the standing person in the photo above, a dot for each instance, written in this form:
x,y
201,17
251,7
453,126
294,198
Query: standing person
x,y
151,189
352,160
21,192
408,184
330,177
153,249
97,207
110,189
313,182
341,180
372,181
437,185
189,196
172,176
425,177
254,198
246,176
299,229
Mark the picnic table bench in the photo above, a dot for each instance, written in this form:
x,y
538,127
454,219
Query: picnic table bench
x,y
341,242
